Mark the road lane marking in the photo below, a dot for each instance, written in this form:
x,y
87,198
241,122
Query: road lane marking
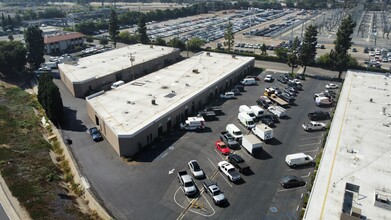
x,y
283,190
312,137
309,151
297,209
219,154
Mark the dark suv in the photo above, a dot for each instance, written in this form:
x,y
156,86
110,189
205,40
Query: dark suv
x,y
95,134
318,115
238,162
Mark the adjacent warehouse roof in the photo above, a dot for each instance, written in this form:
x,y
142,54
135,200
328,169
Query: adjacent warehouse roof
x,y
354,174
128,108
107,63
61,36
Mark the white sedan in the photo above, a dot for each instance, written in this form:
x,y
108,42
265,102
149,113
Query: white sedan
x,y
332,86
196,169
268,78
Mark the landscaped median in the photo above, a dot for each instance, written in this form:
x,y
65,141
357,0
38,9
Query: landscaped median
x,y
48,188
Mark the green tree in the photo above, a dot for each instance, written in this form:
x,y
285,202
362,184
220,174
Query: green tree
x,y
263,49
292,60
142,30
103,41
295,44
229,37
12,56
113,28
339,55
89,39
35,46
50,98
127,38
307,51
175,42
10,23
281,53
194,44
160,41
3,22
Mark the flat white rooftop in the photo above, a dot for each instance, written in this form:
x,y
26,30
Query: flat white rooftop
x,y
112,61
357,153
128,108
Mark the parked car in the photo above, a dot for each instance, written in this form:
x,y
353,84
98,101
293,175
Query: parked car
x,y
239,87
289,92
262,103
222,147
291,181
282,79
95,134
254,77
318,115
314,126
235,91
195,169
238,162
214,192
267,121
331,86
272,117
229,170
300,76
354,50
269,78
187,184
227,95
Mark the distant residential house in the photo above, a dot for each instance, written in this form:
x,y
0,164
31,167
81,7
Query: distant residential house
x,y
63,41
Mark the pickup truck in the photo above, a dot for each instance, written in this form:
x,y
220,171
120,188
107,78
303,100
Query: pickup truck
x,y
238,162
213,190
207,115
187,183
218,110
229,140
314,126
277,111
229,171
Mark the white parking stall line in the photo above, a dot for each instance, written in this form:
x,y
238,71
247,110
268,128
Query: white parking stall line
x,y
309,151
303,145
312,137
297,209
284,190
309,173
224,177
302,194
219,154
211,162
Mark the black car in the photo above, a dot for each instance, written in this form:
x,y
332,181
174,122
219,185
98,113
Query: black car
x,y
262,103
236,91
366,50
95,134
238,162
239,87
291,181
272,117
282,79
318,115
267,121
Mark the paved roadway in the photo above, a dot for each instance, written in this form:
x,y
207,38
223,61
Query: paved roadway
x,y
3,215
132,190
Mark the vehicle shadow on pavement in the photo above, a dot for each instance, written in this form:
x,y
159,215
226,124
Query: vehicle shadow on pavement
x,y
263,156
71,123
274,141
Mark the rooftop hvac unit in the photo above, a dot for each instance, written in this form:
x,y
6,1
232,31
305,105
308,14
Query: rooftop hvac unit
x,y
234,56
153,101
195,71
151,46
207,54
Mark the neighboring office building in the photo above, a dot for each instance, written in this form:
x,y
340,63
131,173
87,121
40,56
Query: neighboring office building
x,y
62,41
135,114
353,180
97,72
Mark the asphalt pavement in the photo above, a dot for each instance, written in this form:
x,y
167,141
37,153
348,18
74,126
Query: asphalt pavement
x,y
148,188
3,215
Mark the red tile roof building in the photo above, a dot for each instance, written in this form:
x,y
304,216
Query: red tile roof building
x,y
61,42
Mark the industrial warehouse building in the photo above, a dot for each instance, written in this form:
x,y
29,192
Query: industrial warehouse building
x,y
97,72
135,114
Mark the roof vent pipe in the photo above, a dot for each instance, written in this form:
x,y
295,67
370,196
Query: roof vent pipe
x,y
153,101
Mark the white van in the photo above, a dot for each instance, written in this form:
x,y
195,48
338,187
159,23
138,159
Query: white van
x,y
246,120
116,84
299,159
234,131
247,110
258,111
193,123
248,81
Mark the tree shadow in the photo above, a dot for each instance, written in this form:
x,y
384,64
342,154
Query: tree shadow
x,y
71,123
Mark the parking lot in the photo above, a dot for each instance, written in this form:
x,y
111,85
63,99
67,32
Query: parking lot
x,y
132,189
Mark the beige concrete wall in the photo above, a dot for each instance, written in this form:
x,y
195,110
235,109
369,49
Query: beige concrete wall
x,y
67,82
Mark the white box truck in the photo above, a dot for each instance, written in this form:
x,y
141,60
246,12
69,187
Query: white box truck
x,y
258,111
246,120
263,131
248,110
299,159
252,144
193,123
277,111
